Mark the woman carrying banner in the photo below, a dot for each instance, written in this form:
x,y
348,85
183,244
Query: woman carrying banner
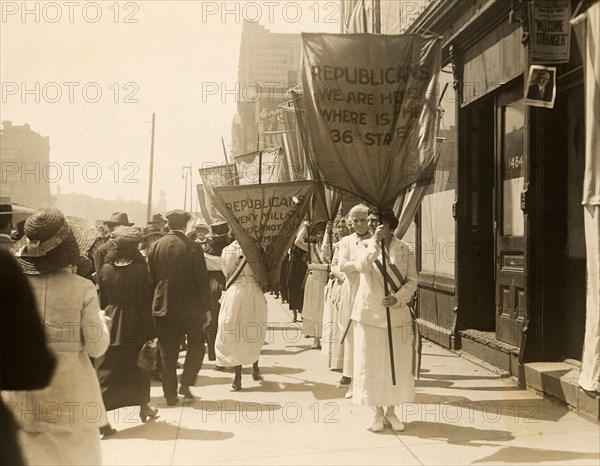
x,y
243,316
372,374
314,289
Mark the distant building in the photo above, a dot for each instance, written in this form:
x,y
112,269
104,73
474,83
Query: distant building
x,y
95,209
25,165
269,67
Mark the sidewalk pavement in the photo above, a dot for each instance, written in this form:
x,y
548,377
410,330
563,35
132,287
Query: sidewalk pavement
x,y
464,414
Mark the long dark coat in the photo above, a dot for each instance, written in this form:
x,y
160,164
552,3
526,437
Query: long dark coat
x,y
295,278
125,296
177,270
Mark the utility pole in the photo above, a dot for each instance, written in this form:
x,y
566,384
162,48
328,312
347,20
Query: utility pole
x,y
224,151
149,209
186,173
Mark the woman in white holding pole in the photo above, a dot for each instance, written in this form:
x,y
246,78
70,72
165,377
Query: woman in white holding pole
x,y
243,316
372,384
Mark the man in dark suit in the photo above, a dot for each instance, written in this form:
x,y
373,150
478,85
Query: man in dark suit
x,y
181,303
542,89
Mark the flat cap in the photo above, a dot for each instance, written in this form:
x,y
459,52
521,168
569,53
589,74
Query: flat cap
x,y
178,213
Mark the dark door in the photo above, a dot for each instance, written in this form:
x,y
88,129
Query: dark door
x,y
509,221
476,259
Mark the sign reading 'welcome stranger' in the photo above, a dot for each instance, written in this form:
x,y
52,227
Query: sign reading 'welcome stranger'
x,y
371,110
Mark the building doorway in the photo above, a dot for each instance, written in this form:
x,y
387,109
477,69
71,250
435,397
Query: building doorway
x,y
476,229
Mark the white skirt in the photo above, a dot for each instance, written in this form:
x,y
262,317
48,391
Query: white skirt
x,y
332,325
372,378
77,447
314,297
242,324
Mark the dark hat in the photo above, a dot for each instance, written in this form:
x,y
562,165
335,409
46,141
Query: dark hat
x,y
5,206
219,229
157,219
178,214
53,241
151,230
118,218
318,226
385,216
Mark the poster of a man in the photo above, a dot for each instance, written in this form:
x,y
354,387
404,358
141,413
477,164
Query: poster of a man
x,y
541,86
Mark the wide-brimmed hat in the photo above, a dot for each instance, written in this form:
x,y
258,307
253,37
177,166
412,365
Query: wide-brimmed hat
x,y
201,224
118,218
53,241
152,230
157,219
123,234
219,230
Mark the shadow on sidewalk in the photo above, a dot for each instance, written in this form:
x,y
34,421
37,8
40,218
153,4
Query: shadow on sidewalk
x,y
525,410
285,352
459,377
448,384
522,455
231,405
453,433
163,430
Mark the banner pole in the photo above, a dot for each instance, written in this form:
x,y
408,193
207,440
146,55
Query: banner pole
x,y
260,167
387,311
346,331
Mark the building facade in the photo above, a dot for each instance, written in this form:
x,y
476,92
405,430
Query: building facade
x,y
268,69
26,170
500,236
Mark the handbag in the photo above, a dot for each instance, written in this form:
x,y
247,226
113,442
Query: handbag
x,y
146,358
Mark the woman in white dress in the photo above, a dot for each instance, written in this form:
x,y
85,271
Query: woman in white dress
x,y
372,380
243,316
314,288
332,319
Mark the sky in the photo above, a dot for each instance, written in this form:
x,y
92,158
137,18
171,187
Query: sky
x,y
89,75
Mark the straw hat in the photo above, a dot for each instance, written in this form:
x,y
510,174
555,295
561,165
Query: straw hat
x,y
53,241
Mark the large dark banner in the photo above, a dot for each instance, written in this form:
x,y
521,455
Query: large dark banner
x,y
265,219
214,175
371,110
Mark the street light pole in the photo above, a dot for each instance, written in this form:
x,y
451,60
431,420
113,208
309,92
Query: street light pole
x,y
186,173
149,208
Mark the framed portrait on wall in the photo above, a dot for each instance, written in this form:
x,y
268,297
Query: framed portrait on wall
x,y
540,90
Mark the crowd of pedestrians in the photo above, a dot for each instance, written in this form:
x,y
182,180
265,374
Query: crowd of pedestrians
x,y
103,300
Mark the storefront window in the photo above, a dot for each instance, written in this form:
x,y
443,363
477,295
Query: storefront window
x,y
513,169
437,223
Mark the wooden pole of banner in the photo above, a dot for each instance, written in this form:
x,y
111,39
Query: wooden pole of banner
x,y
377,30
259,166
387,313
